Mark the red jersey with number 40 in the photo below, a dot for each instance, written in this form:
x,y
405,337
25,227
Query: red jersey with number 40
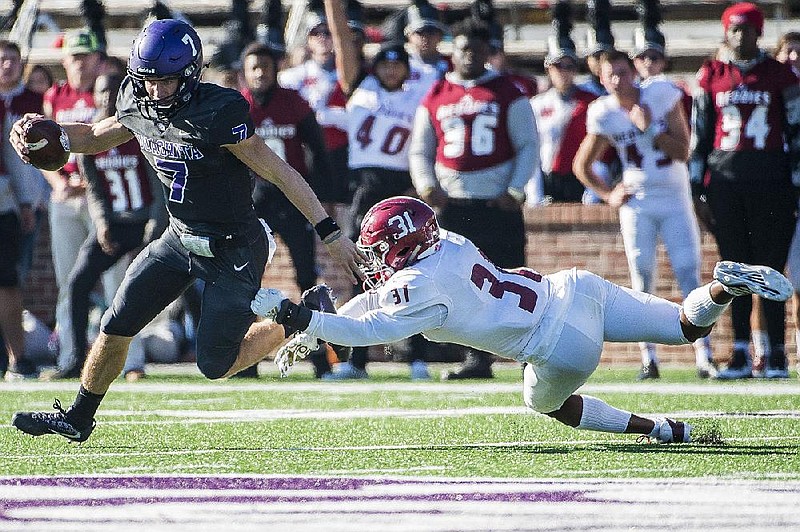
x,y
124,178
749,106
471,122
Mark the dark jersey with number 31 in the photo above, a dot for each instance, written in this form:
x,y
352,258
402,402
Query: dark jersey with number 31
x,y
206,187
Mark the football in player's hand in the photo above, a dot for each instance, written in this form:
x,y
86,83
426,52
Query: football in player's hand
x,y
48,144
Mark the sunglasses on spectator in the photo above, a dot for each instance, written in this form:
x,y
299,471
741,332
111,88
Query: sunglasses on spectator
x,y
319,33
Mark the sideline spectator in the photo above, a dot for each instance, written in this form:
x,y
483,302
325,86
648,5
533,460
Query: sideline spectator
x,y
474,147
744,110
560,118
289,127
20,188
70,222
317,82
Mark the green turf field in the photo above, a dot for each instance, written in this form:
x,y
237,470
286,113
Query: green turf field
x,y
184,424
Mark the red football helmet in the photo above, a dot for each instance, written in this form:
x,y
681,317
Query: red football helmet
x,y
396,233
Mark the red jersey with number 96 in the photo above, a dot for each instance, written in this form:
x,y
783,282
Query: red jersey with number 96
x,y
748,105
470,122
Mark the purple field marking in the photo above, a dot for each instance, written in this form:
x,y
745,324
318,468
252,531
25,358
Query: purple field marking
x,y
419,503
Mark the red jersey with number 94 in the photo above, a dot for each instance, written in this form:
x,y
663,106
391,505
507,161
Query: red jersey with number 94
x,y
470,122
748,105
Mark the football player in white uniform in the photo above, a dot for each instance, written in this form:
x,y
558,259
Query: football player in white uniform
x,y
648,127
430,281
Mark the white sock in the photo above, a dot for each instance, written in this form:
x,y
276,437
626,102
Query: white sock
x,y
648,353
760,343
702,351
700,309
599,415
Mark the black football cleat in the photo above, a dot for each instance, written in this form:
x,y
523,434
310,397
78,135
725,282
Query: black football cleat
x,y
41,423
320,297
650,371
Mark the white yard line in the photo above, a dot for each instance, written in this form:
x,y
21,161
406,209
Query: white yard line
x,y
752,388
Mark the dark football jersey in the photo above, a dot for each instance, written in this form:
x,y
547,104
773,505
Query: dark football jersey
x,y
749,105
277,123
471,122
739,122
206,187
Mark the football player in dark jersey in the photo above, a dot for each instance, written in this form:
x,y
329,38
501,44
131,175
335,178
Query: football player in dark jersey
x,y
746,109
201,141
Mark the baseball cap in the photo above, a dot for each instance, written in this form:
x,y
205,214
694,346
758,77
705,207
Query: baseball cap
x,y
392,51
423,16
646,39
80,42
743,13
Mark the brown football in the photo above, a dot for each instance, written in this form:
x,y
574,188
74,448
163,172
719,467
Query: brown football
x,y
48,144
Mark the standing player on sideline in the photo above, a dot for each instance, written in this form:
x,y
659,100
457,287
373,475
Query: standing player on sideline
x,y
473,148
381,106
439,284
200,139
647,126
746,113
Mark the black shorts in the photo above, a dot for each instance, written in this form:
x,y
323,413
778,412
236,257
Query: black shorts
x,y
374,185
499,234
11,238
164,269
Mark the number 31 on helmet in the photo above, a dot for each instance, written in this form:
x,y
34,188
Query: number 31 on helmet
x,y
396,233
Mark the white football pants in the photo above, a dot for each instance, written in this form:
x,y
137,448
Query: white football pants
x,y
600,311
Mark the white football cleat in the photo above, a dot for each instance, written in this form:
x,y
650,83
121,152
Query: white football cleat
x,y
669,431
740,279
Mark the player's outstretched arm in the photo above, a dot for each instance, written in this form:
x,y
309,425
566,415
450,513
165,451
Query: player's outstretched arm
x,y
263,161
83,138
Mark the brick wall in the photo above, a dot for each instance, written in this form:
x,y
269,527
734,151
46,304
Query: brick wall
x,y
559,237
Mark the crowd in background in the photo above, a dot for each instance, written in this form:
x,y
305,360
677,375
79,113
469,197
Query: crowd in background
x,y
477,146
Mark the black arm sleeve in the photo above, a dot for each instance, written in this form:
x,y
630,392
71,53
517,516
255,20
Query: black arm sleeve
x,y
703,119
321,176
98,201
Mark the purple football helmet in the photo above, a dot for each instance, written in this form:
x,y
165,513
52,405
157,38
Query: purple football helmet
x,y
166,48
